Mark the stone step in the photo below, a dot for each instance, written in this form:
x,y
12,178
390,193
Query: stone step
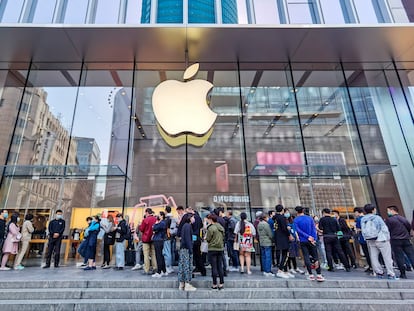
x,y
206,293
207,304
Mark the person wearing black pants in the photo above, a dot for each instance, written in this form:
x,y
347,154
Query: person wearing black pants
x,y
56,229
330,227
215,240
160,234
282,242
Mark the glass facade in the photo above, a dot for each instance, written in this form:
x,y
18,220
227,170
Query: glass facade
x,y
206,11
83,138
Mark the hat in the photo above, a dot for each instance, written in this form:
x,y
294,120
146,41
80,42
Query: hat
x,y
259,213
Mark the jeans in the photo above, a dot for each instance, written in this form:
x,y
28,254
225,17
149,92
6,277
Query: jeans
x,y
309,250
120,254
233,254
266,254
384,248
401,247
138,250
216,260
166,252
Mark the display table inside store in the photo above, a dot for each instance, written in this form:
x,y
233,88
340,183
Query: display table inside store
x,y
67,242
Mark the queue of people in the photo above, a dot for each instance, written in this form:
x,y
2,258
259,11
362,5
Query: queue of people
x,y
227,244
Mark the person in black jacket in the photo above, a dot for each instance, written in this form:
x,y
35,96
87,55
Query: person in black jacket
x,y
121,231
56,229
282,234
344,240
186,253
399,228
330,228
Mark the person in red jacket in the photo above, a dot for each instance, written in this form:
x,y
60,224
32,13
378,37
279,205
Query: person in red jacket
x,y
147,245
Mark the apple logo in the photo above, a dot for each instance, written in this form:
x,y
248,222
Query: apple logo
x,y
181,110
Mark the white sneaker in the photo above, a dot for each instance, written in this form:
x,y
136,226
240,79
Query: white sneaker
x,y
5,269
233,269
189,288
170,270
282,275
340,267
292,271
157,275
136,267
268,274
290,275
300,271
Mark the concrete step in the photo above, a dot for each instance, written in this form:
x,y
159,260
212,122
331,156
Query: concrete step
x,y
206,304
203,293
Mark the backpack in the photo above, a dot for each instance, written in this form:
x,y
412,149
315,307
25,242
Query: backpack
x,y
369,228
172,228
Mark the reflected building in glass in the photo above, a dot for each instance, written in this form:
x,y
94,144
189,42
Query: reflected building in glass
x,y
314,103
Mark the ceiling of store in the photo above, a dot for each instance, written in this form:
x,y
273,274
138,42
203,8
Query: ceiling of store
x,y
218,44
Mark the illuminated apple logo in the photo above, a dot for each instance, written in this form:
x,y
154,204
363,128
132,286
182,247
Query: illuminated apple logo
x,y
181,110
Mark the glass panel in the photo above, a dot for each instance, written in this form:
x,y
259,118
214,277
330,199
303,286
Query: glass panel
x,y
133,12
12,11
201,11
242,12
215,170
44,11
377,127
301,12
168,11
107,12
76,12
229,11
332,11
146,12
266,12
366,12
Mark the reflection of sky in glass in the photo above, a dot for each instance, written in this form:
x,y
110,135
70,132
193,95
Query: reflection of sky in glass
x,y
332,12
93,116
266,12
44,12
12,12
76,12
107,12
365,11
299,13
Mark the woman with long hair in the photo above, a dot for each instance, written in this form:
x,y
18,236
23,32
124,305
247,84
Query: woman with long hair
x,y
109,240
11,244
27,230
159,236
244,235
185,262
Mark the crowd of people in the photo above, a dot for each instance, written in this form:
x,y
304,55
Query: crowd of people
x,y
226,243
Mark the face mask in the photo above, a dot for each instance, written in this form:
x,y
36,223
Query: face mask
x,y
316,220
59,217
5,215
18,219
287,215
389,214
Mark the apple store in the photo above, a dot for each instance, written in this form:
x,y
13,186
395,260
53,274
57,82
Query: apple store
x,y
298,116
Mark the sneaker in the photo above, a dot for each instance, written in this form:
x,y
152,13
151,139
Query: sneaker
x,y
268,274
5,269
233,269
46,267
320,278
214,288
393,277
311,277
107,267
181,286
300,271
241,270
380,276
282,275
293,271
88,268
189,288
19,267
83,265
249,272
170,270
157,275
290,275
340,267
136,267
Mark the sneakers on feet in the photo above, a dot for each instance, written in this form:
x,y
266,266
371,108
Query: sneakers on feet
x,y
189,288
19,267
293,271
320,278
233,269
311,277
157,275
300,271
268,274
136,267
5,269
282,275
393,277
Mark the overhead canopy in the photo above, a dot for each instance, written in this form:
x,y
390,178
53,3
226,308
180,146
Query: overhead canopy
x,y
220,43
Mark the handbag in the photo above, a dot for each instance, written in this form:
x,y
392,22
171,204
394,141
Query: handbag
x,y
17,238
236,246
204,247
